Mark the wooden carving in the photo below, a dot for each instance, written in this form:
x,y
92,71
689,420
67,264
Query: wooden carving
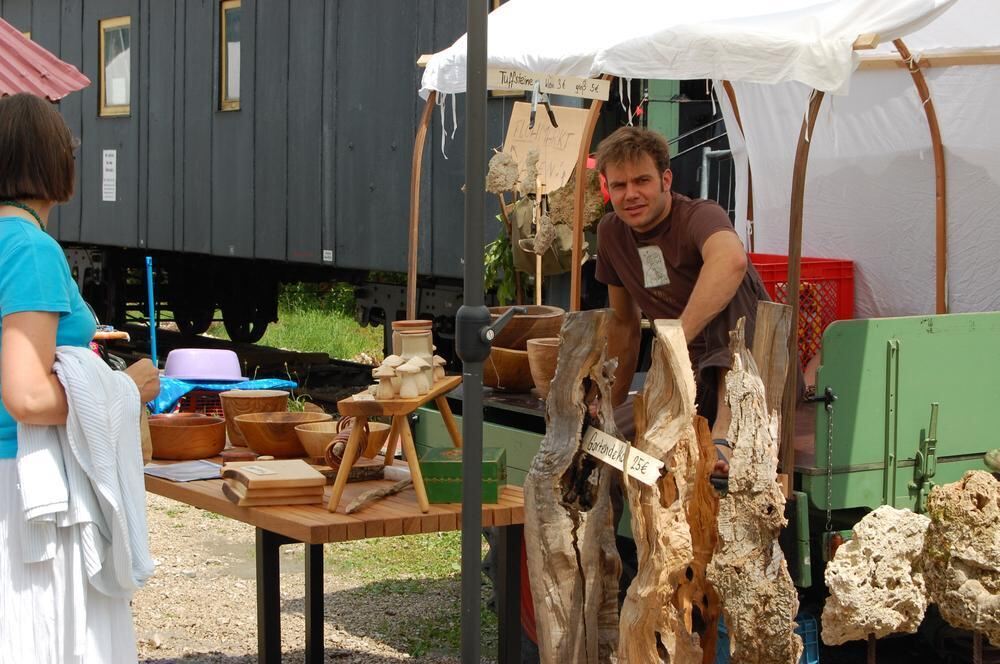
x,y
569,521
748,569
653,627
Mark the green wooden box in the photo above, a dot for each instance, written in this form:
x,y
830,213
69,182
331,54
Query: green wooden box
x,y
442,471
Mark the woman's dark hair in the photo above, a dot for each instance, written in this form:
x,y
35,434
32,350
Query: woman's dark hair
x,y
628,144
36,150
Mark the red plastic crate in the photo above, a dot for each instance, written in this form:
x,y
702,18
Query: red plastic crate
x,y
826,294
201,401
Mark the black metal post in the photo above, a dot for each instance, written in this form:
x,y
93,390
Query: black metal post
x,y
268,596
314,604
508,589
472,316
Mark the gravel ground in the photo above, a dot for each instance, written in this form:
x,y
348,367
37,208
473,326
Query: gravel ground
x,y
200,605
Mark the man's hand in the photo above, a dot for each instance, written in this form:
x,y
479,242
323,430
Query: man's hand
x,y
725,264
147,379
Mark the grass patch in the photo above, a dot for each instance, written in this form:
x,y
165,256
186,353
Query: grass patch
x,y
317,331
416,569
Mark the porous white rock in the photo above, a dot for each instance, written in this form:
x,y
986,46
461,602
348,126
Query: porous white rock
x,y
875,580
962,553
502,174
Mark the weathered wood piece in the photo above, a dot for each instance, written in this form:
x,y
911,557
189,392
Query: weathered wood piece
x,y
748,569
569,521
702,516
770,351
372,495
876,580
962,559
651,618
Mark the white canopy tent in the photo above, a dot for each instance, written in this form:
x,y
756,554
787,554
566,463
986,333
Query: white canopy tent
x,y
870,194
763,41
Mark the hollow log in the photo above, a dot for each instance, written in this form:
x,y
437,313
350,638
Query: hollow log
x,y
569,524
652,620
748,569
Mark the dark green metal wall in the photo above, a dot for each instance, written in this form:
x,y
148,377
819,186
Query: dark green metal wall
x,y
317,158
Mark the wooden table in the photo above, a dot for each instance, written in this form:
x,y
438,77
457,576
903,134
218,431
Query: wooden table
x,y
398,409
315,526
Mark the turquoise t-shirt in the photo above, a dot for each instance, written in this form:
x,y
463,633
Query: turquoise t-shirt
x,y
34,276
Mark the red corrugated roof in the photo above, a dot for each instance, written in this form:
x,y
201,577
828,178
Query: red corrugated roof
x,y
27,67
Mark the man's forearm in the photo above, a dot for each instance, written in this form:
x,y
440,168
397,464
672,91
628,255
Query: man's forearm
x,y
716,285
623,343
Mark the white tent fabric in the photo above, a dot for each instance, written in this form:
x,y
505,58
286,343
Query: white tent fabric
x,y
763,41
870,194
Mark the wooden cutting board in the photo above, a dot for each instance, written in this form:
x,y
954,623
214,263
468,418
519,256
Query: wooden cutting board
x,y
280,492
279,473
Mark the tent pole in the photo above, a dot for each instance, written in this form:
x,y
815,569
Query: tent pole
x,y
418,161
940,181
472,317
581,179
791,397
731,94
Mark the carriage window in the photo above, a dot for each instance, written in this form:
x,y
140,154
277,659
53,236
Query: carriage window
x,y
229,55
116,66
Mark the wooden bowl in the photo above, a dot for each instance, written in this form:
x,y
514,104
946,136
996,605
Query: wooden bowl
x,y
241,402
315,436
543,354
507,369
274,433
186,436
540,321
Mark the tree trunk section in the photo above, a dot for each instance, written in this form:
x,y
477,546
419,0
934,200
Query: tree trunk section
x,y
569,525
748,569
653,628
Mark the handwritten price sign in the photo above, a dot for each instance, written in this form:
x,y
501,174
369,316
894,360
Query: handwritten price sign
x,y
612,451
513,79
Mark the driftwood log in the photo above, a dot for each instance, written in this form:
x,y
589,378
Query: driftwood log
x,y
569,524
655,624
748,569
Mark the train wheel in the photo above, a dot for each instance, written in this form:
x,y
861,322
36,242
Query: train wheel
x,y
245,321
195,318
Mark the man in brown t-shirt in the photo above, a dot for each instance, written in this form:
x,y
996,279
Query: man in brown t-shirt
x,y
664,255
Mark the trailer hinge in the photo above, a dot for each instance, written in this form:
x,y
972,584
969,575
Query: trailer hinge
x,y
925,463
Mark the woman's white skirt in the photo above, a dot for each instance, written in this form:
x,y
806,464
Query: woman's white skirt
x,y
49,612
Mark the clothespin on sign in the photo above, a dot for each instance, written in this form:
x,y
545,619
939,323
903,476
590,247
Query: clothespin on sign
x,y
538,96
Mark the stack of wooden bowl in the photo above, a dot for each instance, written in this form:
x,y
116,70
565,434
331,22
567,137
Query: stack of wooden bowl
x,y
507,368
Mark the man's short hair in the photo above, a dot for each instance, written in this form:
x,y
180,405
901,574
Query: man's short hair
x,y
36,150
628,144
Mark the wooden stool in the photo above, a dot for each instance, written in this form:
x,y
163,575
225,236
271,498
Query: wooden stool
x,y
399,409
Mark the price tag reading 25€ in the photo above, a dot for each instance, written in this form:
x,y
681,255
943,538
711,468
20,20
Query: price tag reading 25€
x,y
612,451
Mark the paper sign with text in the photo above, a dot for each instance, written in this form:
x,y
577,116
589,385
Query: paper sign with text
x,y
612,451
558,147
501,78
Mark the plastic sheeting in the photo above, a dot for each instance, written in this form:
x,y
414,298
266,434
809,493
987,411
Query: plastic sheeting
x,y
870,189
764,41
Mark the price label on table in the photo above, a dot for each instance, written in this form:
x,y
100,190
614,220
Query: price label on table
x,y
612,451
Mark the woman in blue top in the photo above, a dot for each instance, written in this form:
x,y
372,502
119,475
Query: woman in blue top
x,y
40,308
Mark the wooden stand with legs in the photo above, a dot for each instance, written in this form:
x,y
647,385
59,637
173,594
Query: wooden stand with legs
x,y
398,410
